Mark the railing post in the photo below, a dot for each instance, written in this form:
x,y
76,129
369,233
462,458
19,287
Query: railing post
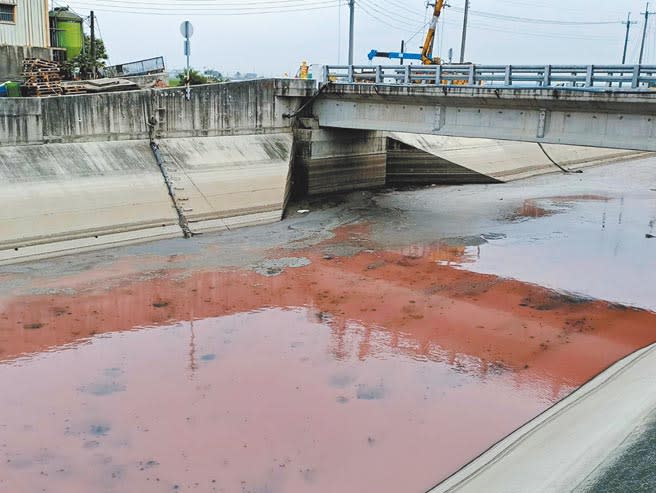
x,y
472,74
351,74
326,74
508,76
438,75
589,76
406,78
547,76
379,74
636,77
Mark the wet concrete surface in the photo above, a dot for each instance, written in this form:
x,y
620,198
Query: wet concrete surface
x,y
376,344
633,469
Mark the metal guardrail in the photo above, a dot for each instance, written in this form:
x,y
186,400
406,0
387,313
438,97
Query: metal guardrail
x,y
590,77
141,67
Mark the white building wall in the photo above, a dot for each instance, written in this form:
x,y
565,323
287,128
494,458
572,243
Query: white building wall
x,y
31,26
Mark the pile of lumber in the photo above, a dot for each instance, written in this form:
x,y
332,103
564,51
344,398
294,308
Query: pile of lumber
x,y
42,77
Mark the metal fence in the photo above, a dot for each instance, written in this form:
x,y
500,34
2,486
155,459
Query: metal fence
x,y
141,67
590,77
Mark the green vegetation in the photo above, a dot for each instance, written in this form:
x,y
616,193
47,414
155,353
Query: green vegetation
x,y
82,65
196,78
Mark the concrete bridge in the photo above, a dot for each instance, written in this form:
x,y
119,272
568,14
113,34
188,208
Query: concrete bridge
x,y
607,107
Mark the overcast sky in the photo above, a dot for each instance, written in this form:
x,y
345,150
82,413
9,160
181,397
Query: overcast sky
x,y
275,43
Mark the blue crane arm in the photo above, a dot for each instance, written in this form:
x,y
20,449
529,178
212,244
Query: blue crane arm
x,y
394,55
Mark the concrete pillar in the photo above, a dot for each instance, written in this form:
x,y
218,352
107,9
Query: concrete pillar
x,y
330,161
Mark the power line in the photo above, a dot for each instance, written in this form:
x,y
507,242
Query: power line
x,y
176,9
383,18
530,20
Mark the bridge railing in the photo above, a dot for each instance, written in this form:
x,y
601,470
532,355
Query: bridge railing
x,y
592,77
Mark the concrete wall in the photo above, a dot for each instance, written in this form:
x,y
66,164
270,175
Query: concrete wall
x,y
329,161
228,182
11,60
78,173
242,108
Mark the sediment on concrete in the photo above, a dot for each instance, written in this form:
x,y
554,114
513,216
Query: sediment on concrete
x,y
562,449
408,165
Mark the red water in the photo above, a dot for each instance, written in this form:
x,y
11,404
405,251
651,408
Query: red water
x,y
380,372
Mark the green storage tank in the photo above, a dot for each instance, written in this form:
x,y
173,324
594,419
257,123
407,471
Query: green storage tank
x,y
67,31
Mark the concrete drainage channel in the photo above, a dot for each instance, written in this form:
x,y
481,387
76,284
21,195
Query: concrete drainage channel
x,y
569,446
73,184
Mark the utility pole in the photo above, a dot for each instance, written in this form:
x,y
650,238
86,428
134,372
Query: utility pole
x,y
628,23
464,33
351,30
93,45
646,13
402,51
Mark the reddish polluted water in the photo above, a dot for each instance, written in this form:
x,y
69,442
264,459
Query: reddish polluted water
x,y
368,346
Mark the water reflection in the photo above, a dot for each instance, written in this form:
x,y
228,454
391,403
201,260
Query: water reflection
x,y
269,408
592,244
305,381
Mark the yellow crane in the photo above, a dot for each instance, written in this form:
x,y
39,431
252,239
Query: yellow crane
x,y
426,55
429,42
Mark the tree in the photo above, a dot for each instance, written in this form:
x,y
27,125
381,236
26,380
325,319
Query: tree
x,y
214,76
83,64
195,78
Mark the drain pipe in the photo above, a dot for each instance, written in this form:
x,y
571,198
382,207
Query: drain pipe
x,y
564,170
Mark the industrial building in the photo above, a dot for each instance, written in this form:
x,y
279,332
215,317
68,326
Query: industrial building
x,y
24,33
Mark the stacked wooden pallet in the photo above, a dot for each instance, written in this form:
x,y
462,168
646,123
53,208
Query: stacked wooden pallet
x,y
42,77
72,88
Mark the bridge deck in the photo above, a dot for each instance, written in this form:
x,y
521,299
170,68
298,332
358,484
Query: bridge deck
x,y
612,119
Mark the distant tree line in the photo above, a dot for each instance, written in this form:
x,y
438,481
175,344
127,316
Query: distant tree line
x,y
197,78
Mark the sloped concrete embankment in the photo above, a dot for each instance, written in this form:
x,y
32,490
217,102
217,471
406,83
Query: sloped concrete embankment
x,y
569,445
78,172
416,159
